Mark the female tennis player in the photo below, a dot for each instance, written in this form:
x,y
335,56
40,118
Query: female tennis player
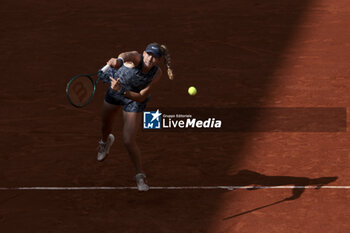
x,y
132,78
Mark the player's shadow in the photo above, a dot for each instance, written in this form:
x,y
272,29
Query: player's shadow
x,y
257,180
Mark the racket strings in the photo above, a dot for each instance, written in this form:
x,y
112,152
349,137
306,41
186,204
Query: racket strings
x,y
81,91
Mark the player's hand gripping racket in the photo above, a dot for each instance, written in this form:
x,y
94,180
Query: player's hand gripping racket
x,y
81,89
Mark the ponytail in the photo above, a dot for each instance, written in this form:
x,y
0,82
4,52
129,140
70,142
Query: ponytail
x,y
167,61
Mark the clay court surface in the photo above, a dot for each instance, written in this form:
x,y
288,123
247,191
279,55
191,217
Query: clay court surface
x,y
254,54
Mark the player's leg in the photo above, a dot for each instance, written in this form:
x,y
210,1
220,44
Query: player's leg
x,y
109,112
132,121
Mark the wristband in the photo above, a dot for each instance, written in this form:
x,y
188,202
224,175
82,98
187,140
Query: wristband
x,y
121,60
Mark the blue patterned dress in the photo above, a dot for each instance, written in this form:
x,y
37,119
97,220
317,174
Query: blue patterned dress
x,y
132,79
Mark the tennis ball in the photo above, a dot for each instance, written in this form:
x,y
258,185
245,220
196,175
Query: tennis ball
x,y
192,91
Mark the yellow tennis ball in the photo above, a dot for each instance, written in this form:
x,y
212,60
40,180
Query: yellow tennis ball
x,y
192,91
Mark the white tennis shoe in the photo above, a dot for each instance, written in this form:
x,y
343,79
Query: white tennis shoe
x,y
141,182
103,148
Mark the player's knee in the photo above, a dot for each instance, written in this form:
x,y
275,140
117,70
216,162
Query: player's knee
x,y
128,141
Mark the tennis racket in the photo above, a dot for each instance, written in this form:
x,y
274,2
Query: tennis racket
x,y
81,89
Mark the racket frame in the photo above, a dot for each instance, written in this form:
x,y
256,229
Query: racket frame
x,y
94,84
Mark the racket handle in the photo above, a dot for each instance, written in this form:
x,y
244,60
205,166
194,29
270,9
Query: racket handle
x,y
105,68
